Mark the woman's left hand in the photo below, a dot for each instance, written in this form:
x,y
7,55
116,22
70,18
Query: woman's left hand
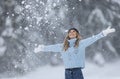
x,y
108,30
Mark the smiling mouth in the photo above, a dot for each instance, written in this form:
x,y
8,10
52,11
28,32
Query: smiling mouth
x,y
72,35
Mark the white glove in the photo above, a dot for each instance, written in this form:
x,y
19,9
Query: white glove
x,y
39,48
108,30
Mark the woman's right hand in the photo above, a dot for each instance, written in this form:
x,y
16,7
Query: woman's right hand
x,y
39,48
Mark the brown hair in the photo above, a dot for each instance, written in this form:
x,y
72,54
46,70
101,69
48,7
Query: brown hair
x,y
66,43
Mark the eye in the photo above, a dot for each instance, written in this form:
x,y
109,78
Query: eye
x,y
73,31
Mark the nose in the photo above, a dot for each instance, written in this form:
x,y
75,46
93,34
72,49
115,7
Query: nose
x,y
71,32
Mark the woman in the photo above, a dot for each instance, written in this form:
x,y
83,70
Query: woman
x,y
73,51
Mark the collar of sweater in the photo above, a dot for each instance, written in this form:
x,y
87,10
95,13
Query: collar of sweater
x,y
72,41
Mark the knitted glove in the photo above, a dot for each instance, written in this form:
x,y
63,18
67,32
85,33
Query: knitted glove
x,y
39,48
108,30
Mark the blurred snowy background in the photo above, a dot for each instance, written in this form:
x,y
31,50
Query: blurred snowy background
x,y
24,24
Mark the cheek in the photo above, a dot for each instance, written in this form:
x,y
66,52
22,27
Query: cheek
x,y
69,34
75,34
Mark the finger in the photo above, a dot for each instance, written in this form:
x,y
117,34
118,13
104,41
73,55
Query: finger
x,y
109,27
113,30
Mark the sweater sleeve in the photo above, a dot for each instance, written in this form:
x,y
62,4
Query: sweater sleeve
x,y
48,48
91,40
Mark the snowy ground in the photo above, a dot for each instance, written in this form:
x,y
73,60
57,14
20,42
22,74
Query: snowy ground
x,y
109,71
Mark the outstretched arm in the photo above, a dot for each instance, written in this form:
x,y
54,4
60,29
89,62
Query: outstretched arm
x,y
91,40
48,48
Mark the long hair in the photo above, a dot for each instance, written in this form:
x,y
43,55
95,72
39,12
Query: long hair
x,y
66,43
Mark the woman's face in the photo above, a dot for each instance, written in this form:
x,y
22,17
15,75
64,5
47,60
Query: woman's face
x,y
72,34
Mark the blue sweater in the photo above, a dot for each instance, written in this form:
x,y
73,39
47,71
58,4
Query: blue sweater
x,y
73,57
